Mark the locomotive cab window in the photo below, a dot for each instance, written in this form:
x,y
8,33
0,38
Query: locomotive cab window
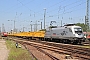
x,y
78,30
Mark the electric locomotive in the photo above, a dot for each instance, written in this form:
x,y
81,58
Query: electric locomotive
x,y
69,33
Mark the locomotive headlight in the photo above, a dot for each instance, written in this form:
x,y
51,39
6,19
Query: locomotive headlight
x,y
80,36
76,35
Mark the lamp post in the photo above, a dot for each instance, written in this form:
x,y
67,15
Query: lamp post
x,y
41,25
14,24
23,29
31,25
37,24
44,16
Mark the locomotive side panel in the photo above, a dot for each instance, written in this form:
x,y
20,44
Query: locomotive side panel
x,y
60,33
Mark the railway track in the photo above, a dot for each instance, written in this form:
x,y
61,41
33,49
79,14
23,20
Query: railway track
x,y
81,53
65,50
39,49
51,56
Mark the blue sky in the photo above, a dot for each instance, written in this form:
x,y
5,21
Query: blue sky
x,y
25,11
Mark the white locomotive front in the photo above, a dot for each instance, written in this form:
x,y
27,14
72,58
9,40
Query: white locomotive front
x,y
67,33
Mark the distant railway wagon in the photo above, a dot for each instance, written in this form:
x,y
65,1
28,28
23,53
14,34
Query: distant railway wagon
x,y
4,34
87,35
69,33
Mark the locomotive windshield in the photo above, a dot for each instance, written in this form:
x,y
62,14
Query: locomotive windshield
x,y
78,30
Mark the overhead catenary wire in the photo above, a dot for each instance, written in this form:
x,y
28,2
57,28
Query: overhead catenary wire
x,y
11,8
64,6
47,8
52,9
69,9
50,6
